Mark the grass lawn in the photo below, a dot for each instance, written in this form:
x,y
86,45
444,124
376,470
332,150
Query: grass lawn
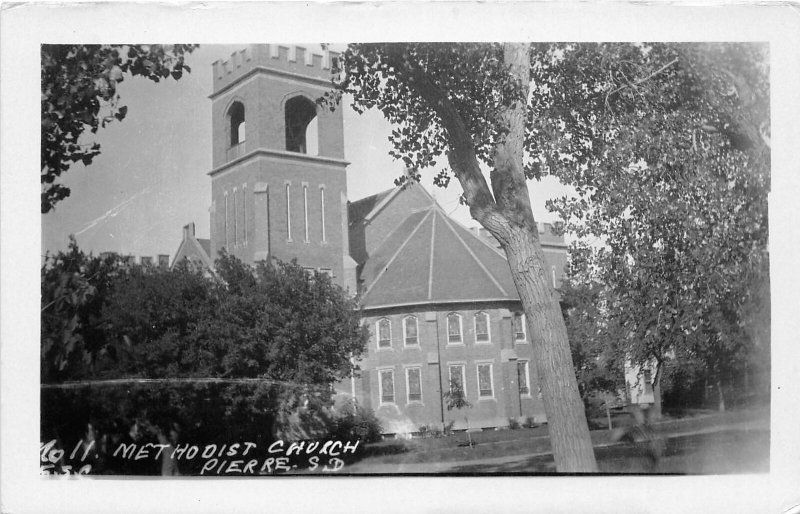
x,y
711,448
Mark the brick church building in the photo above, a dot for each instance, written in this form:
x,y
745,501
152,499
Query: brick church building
x,y
438,298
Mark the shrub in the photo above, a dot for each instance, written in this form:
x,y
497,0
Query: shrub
x,y
530,423
355,422
513,424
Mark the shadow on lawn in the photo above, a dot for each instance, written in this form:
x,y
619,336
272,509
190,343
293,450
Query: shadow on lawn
x,y
729,451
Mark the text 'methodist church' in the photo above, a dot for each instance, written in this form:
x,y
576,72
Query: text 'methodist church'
x,y
438,298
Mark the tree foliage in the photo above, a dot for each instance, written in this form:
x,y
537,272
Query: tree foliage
x,y
79,93
252,353
667,149
468,103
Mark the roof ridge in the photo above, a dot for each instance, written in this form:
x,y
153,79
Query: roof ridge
x,y
396,253
472,254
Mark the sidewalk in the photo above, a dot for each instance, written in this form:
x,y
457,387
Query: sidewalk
x,y
521,461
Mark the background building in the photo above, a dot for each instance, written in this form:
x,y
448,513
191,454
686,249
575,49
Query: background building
x,y
438,298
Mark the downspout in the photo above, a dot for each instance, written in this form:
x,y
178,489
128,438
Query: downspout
x,y
439,359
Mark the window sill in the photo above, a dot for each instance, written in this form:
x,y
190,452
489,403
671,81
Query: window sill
x,y
487,399
459,343
486,343
417,403
411,347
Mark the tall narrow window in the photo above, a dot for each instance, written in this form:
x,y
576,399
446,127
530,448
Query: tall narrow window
x,y
236,119
235,219
386,377
299,112
518,326
227,239
410,331
553,272
457,380
453,328
288,214
523,374
244,211
485,389
384,333
305,210
482,327
414,384
322,211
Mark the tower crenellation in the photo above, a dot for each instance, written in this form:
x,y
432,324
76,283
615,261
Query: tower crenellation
x,y
308,61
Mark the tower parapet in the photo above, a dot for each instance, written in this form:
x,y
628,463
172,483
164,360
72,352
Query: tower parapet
x,y
309,61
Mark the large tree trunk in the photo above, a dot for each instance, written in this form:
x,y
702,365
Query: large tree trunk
x,y
505,211
566,417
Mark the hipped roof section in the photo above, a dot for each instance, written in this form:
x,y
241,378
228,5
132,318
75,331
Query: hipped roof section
x,y
431,259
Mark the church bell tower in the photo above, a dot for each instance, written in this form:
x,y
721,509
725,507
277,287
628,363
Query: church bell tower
x,y
279,187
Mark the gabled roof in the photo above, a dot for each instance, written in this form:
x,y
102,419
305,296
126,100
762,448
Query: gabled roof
x,y
196,250
428,258
366,208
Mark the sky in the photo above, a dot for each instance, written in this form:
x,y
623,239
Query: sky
x,y
151,176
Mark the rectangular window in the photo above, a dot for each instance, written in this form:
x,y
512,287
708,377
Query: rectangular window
x,y
305,211
384,334
227,240
482,327
288,214
457,379
235,216
244,211
387,385
485,381
410,331
322,211
522,378
518,324
453,328
414,384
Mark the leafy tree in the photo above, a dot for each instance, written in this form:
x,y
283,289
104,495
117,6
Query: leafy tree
x,y
248,355
455,398
667,148
469,103
79,92
594,338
